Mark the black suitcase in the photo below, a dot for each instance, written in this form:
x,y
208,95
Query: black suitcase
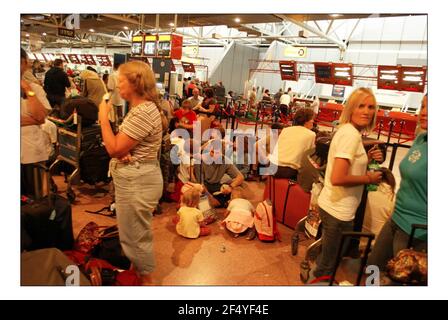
x,y
94,159
47,223
85,107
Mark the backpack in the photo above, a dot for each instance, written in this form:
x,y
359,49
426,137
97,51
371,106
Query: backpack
x,y
265,222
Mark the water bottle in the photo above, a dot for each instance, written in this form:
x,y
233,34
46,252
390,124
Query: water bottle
x,y
372,166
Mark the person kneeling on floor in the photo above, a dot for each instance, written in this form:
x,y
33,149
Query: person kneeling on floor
x,y
190,221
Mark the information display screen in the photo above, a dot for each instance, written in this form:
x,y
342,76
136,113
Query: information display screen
x,y
338,91
137,45
150,46
323,73
136,48
164,48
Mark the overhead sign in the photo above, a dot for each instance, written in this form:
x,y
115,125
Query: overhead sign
x,y
288,70
188,67
68,33
295,52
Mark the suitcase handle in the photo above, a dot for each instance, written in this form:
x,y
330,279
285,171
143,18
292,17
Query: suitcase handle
x,y
415,227
359,235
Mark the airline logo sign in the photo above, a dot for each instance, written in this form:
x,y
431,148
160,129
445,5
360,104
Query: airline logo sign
x,y
296,52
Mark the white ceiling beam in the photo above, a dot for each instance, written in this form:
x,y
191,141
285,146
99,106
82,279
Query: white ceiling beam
x,y
340,44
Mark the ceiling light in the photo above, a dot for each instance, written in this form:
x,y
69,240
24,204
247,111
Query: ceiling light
x,y
125,28
44,33
171,24
335,15
237,20
27,35
91,30
21,21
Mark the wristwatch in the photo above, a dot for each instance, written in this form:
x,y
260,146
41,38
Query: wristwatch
x,y
30,93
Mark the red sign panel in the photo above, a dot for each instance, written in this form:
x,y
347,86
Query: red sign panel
x,y
176,46
401,78
188,67
388,77
73,58
88,59
103,60
342,74
413,79
288,70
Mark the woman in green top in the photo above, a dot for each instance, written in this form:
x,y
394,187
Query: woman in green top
x,y
411,206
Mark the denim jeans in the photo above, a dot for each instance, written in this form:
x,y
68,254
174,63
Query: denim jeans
x,y
332,229
391,240
138,188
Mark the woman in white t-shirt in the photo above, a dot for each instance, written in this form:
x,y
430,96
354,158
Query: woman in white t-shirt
x,y
346,175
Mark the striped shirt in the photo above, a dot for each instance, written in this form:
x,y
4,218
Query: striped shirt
x,y
143,123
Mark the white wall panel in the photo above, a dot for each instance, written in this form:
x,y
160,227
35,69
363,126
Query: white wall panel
x,y
415,28
392,28
373,29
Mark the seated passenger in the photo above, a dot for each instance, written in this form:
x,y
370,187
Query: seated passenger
x,y
292,143
190,220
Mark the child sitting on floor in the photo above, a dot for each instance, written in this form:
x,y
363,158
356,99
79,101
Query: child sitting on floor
x,y
190,220
240,215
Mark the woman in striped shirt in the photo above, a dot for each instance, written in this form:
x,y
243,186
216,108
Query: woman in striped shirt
x,y
134,166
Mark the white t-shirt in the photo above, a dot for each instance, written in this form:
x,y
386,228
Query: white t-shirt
x,y
285,99
292,143
339,201
34,142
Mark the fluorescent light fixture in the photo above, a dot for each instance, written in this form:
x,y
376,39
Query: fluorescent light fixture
x,y
342,68
171,24
91,30
125,28
237,20
342,74
413,72
389,71
388,77
412,79
27,35
335,15
44,33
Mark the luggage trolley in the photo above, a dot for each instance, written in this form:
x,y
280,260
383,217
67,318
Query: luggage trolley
x,y
69,145
73,141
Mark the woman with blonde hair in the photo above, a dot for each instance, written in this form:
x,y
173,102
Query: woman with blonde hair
x,y
134,166
346,175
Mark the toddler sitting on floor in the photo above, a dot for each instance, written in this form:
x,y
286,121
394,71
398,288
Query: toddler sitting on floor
x,y
190,220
